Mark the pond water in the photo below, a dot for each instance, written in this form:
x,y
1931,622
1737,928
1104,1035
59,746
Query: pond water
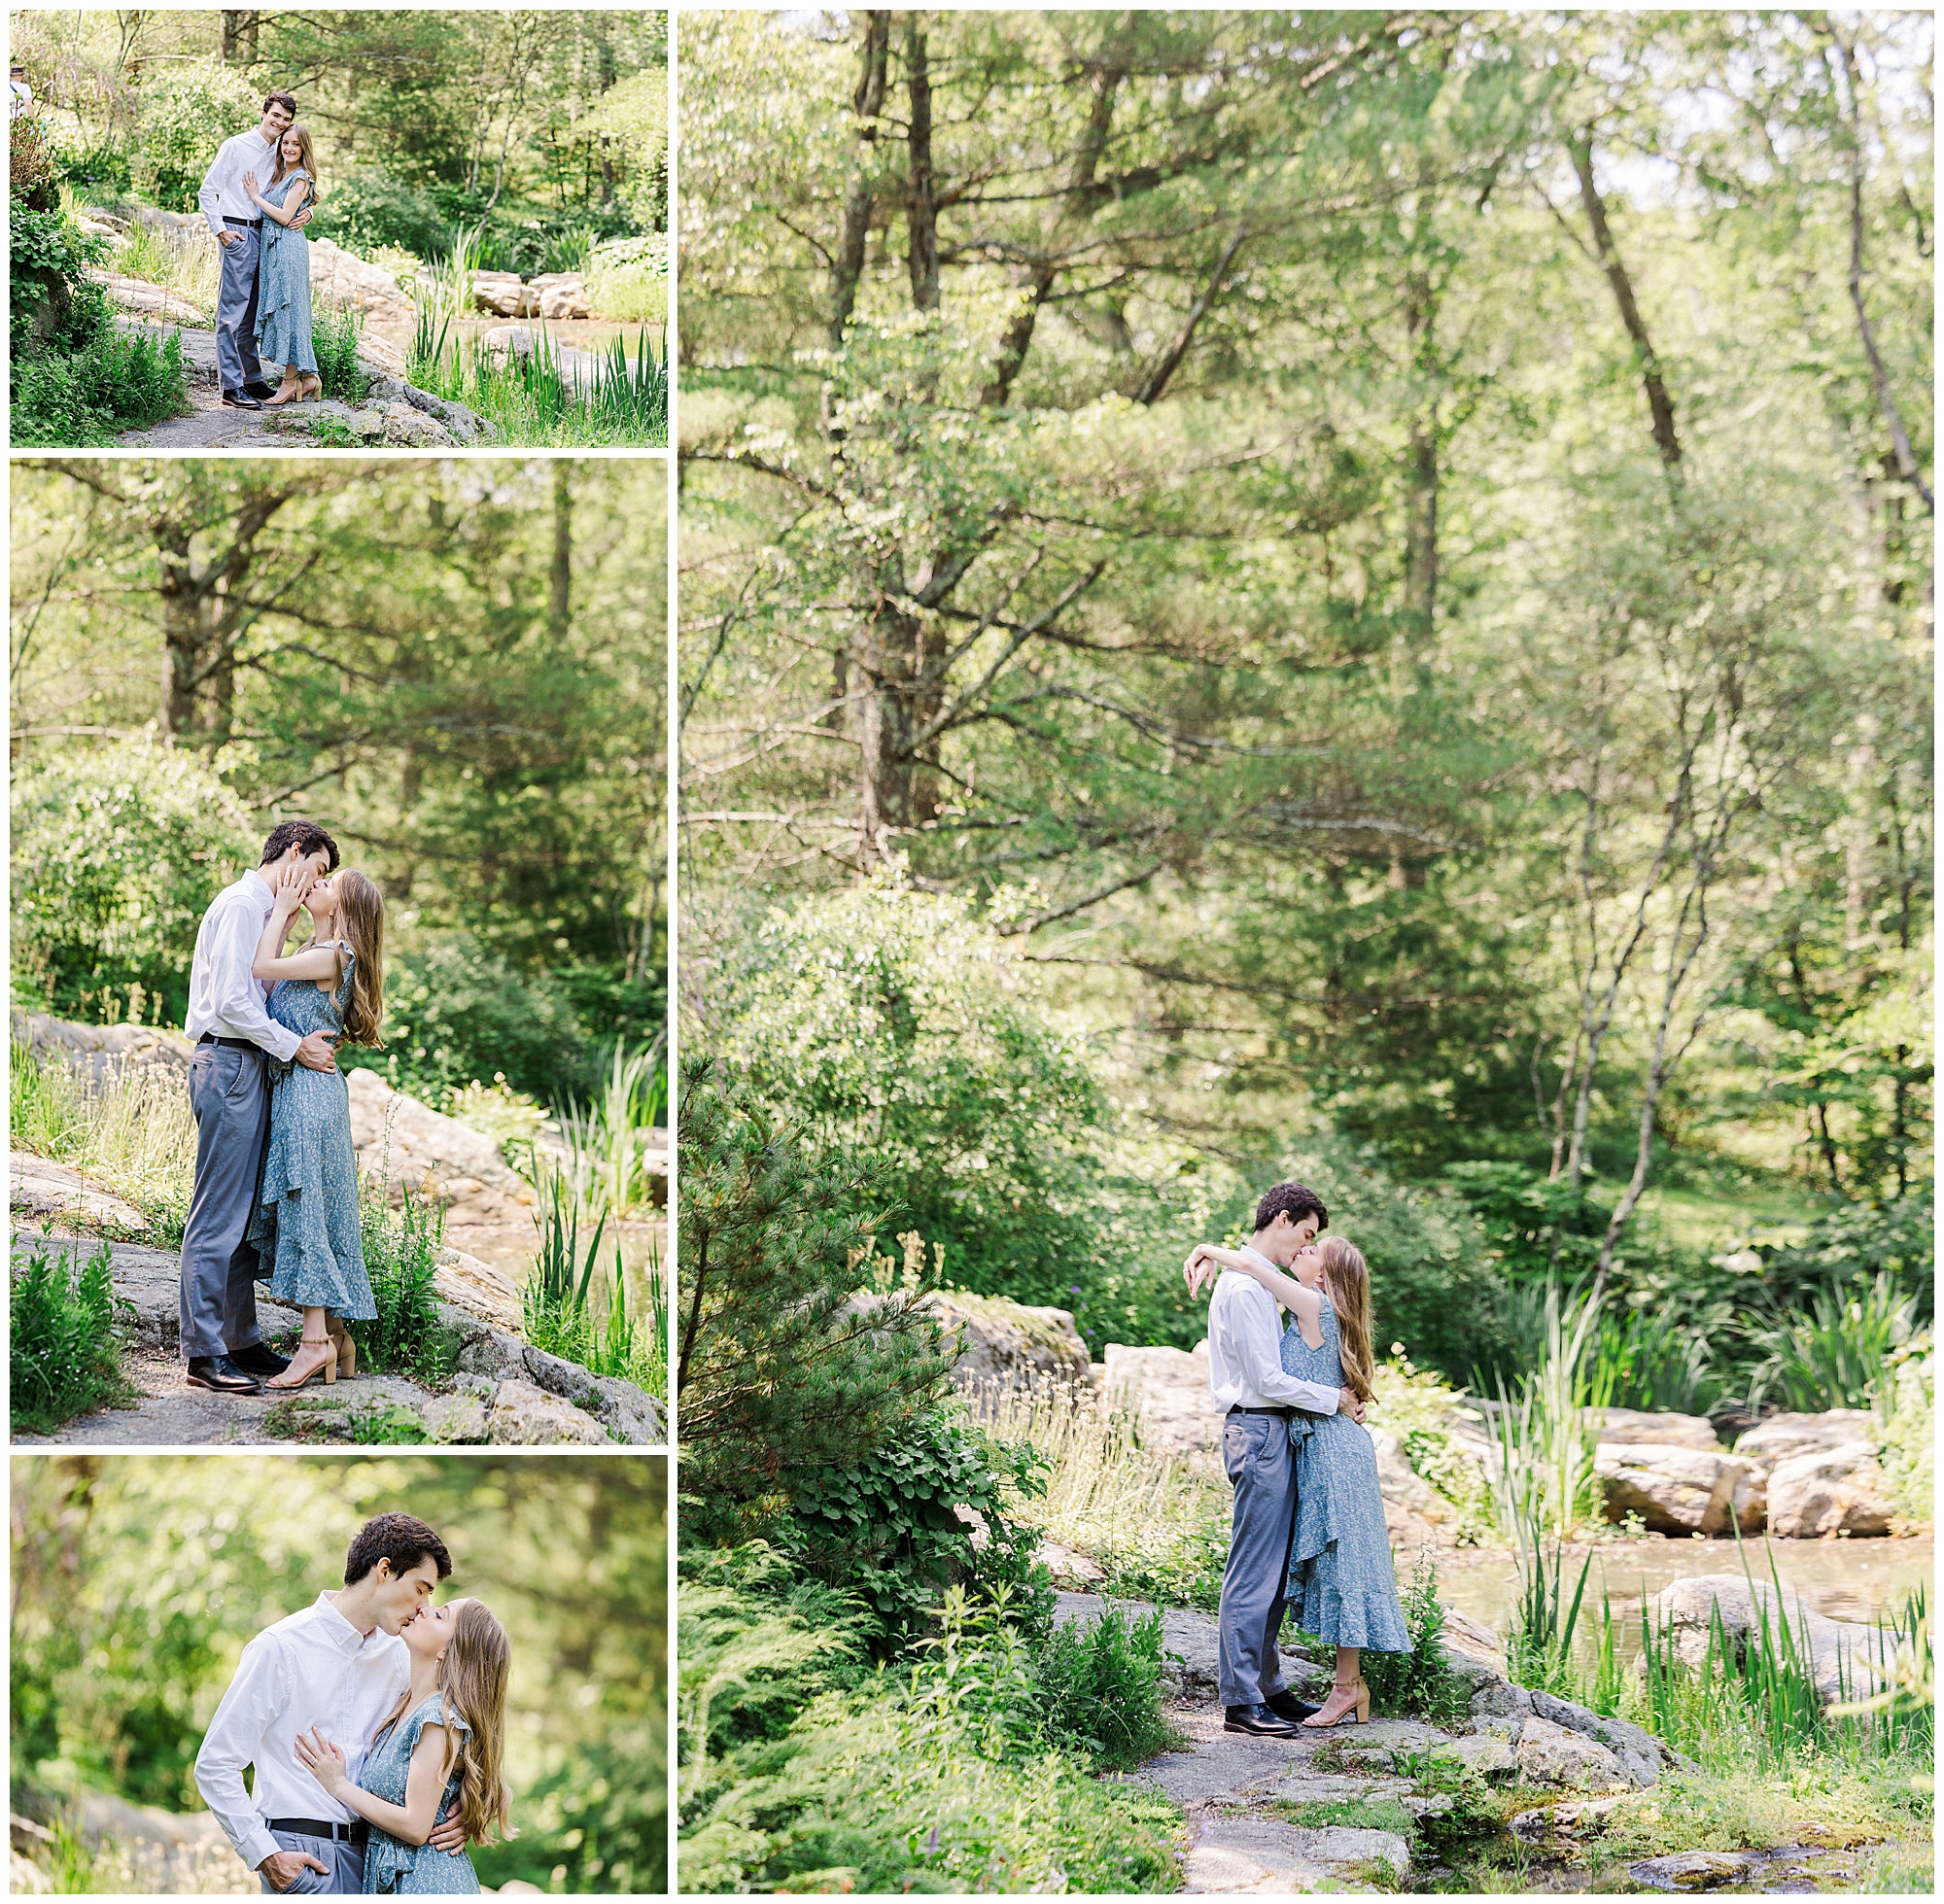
x,y
1863,1580
582,333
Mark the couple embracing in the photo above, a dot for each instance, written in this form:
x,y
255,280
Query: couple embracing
x,y
258,196
1307,1536
276,1172
377,1723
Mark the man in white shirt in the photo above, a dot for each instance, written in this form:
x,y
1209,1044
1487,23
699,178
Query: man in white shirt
x,y
1245,1375
238,226
231,1096
340,1666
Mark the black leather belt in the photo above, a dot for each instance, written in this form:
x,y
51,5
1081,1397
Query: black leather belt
x,y
235,1044
248,224
349,1834
1284,1413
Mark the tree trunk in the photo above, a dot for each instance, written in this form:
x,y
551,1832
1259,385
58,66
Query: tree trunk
x,y
560,598
1660,407
1887,404
921,186
854,230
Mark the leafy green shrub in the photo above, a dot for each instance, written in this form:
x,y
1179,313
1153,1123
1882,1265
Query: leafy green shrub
x,y
1906,1406
1419,1685
369,208
884,1525
1858,1243
1103,1690
401,1248
457,1013
781,1372
908,1036
118,852
52,305
1471,1818
336,331
186,112
62,1358
118,381
801,1773
1534,1225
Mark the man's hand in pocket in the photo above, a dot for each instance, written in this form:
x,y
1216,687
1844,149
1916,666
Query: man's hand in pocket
x,y
284,1868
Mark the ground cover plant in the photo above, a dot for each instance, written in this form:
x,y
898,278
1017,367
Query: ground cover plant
x,y
63,1356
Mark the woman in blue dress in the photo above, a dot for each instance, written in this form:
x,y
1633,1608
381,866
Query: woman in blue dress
x,y
283,271
437,1756
306,1226
1343,1587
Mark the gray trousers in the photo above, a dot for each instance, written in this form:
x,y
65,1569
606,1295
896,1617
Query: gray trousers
x,y
1261,1465
236,311
231,1100
344,1862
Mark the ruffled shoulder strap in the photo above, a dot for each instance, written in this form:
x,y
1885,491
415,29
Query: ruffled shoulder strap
x,y
341,997
435,1710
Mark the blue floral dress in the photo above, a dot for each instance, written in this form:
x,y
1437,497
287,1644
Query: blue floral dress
x,y
393,1867
283,287
1341,1584
306,1229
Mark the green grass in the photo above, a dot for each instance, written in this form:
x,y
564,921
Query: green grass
x,y
401,1248
533,404
1352,1814
62,1354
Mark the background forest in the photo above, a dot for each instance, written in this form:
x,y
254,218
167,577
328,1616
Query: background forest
x,y
138,1581
1264,594
457,668
1332,593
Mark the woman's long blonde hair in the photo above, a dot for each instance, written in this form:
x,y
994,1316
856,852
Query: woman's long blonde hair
x,y
1347,1279
361,921
306,156
472,1677
472,1681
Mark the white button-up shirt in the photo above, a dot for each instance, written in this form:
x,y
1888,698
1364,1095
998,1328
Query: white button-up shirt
x,y
1245,1350
223,998
313,1668
221,194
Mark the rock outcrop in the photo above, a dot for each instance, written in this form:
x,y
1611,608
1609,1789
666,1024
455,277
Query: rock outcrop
x,y
99,1049
1782,1437
1001,1342
1845,1657
1167,1393
1633,1426
1836,1490
1677,1489
338,277
405,1143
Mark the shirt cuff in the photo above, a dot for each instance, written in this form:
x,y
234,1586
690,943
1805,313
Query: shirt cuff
x,y
280,1042
255,1844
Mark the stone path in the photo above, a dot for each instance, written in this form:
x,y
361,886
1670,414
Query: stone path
x,y
502,1392
1244,1797
397,414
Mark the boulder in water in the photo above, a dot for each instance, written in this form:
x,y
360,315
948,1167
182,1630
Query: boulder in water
x,y
1838,1490
1782,1437
1680,1490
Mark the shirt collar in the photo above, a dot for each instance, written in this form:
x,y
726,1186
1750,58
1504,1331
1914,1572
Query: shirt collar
x,y
339,1630
1249,1249
260,887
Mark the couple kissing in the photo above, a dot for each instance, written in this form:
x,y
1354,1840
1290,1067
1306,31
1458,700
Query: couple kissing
x,y
276,1172
376,1723
1307,1537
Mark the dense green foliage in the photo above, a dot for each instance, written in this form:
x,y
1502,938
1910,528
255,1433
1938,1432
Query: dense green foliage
x,y
779,1372
965,1770
73,379
1380,559
457,669
63,1357
401,1251
137,1582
